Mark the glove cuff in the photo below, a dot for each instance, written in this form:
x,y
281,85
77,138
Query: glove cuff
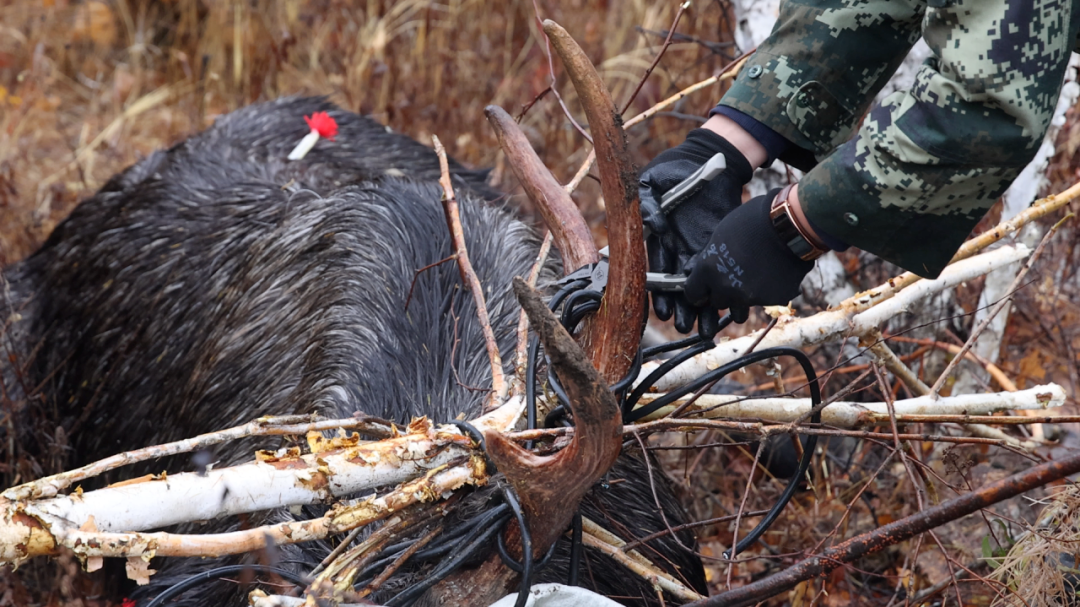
x,y
709,144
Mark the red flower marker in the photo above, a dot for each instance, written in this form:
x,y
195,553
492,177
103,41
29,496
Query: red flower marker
x,y
322,125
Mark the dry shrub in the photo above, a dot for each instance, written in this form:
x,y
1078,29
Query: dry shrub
x,y
1041,570
89,87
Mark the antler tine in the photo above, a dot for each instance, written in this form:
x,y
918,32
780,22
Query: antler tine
x,y
550,487
614,338
568,228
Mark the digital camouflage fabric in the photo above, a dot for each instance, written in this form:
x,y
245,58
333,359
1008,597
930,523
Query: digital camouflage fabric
x,y
927,163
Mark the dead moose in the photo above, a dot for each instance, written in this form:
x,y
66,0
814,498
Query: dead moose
x,y
217,281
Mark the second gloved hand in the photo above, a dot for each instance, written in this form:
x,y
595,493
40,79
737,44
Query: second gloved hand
x,y
686,229
745,264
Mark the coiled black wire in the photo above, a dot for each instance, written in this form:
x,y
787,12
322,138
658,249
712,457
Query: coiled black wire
x,y
200,578
579,304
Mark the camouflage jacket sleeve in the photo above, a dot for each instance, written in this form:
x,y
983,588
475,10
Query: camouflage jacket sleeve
x,y
926,164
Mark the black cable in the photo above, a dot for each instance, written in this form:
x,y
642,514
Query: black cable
x,y
572,304
621,386
629,414
530,388
575,551
477,437
808,446
189,583
445,543
513,564
526,546
475,541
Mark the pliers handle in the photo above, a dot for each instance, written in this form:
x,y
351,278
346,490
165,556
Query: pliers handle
x,y
597,273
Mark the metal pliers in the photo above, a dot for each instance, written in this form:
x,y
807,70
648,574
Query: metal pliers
x,y
597,273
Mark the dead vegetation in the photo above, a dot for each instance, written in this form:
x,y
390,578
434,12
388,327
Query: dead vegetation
x,y
124,78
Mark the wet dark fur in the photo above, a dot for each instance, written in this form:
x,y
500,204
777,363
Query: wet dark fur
x,y
216,282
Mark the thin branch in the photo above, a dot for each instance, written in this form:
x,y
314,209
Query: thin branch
x,y
417,273
522,352
893,533
994,370
729,72
528,106
742,508
596,537
468,275
660,55
691,525
551,72
717,48
1030,263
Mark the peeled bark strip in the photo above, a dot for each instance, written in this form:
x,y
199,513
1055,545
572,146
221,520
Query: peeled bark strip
x,y
568,227
614,338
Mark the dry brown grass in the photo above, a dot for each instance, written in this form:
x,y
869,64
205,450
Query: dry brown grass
x,y
87,88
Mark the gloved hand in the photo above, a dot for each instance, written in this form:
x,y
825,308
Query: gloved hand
x,y
745,264
678,236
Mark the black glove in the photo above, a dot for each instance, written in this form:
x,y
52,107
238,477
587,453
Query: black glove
x,y
745,264
678,236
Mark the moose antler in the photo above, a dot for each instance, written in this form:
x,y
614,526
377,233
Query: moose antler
x,y
613,339
550,487
568,228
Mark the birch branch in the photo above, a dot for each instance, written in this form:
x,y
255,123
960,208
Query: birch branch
x,y
298,425
1039,209
854,318
853,415
345,467
27,531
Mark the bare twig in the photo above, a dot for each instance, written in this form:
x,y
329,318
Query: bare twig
x,y
468,275
393,567
528,106
596,537
693,525
417,273
868,543
1030,263
660,55
551,72
522,352
729,72
742,508
994,370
